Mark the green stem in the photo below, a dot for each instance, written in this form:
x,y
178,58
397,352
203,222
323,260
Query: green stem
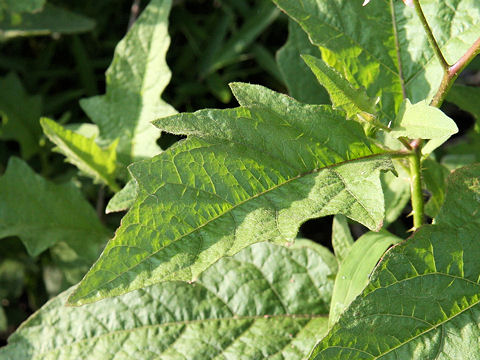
x,y
416,187
431,38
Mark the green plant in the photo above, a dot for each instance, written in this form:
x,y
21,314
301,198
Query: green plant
x,y
208,261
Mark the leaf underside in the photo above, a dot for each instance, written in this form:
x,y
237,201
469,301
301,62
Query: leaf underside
x,y
241,177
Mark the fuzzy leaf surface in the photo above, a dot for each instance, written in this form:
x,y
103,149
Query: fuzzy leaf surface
x,y
42,214
84,153
300,81
247,306
423,301
135,81
241,177
390,56
342,94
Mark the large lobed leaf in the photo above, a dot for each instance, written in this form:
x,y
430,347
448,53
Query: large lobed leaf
x,y
135,80
42,214
382,47
265,302
244,175
423,300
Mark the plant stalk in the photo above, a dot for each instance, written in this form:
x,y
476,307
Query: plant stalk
x,y
416,187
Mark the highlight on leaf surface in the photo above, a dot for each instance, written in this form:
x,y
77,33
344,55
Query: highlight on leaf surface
x,y
265,302
241,177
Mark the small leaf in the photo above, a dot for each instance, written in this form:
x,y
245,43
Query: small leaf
x,y
84,153
396,188
41,213
434,176
356,268
422,121
342,239
124,199
246,306
135,81
242,176
342,94
423,300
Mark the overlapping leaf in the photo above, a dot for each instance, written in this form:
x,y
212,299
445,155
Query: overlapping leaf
x,y
382,47
244,175
42,213
265,302
423,302
300,81
83,152
135,80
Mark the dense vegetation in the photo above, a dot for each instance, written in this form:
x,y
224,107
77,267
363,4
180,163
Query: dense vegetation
x,y
248,180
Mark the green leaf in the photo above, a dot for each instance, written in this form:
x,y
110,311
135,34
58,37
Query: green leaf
x,y
124,199
434,176
389,56
50,20
423,300
3,320
19,6
466,98
20,114
42,214
342,239
246,306
422,121
135,80
396,188
342,94
241,177
356,268
84,153
300,81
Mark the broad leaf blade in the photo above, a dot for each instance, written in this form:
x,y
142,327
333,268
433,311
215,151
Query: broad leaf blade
x,y
135,81
424,294
20,115
300,81
390,57
342,94
42,213
84,153
241,177
356,268
219,316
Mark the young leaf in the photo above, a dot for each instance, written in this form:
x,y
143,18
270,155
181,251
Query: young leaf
x,y
355,269
342,239
434,176
241,177
123,199
51,19
300,81
390,56
396,188
84,153
41,213
20,113
423,121
246,305
342,94
135,80
423,300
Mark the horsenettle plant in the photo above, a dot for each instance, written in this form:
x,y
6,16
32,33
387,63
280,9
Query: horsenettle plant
x,y
207,264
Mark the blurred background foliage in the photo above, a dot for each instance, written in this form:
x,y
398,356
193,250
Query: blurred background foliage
x,y
53,54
